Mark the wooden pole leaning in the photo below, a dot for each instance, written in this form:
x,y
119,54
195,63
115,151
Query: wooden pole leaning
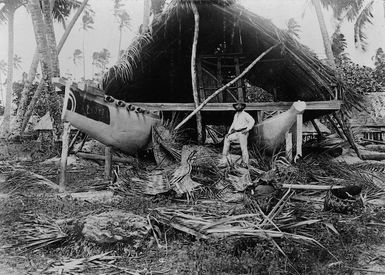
x,y
194,83
65,142
245,71
107,162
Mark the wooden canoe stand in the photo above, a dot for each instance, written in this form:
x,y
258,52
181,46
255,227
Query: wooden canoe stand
x,y
66,146
293,139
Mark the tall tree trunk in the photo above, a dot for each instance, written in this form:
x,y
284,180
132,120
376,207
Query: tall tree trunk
x,y
146,15
45,60
194,72
324,33
84,55
120,43
8,95
54,99
27,114
47,6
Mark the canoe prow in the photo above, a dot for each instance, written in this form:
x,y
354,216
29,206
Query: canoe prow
x,y
270,134
112,122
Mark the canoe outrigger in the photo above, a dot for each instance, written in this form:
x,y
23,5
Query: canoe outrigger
x,y
128,127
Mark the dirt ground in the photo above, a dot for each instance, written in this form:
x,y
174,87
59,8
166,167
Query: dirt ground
x,y
178,253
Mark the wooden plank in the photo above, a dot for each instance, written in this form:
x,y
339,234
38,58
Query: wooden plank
x,y
64,156
289,146
255,106
103,158
108,162
298,152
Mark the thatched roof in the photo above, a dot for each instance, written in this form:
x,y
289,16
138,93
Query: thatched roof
x,y
156,66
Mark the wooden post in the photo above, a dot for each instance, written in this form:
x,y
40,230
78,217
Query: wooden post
x,y
289,146
108,162
194,72
298,152
64,155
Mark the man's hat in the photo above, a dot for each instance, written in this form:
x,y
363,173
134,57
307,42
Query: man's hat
x,y
243,104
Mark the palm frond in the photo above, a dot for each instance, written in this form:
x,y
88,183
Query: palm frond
x,y
364,18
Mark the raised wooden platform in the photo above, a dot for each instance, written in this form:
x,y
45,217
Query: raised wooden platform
x,y
332,105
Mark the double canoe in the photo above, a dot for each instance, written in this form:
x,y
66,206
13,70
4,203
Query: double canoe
x,y
127,127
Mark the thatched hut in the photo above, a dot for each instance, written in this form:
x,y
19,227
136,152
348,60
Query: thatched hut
x,y
156,68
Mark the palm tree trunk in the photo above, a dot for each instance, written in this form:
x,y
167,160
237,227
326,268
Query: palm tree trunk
x,y
54,99
194,72
45,60
8,95
120,43
50,34
146,15
27,86
84,55
31,77
324,33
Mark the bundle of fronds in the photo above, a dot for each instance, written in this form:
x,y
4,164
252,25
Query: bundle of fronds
x,y
34,232
104,263
207,225
19,180
140,182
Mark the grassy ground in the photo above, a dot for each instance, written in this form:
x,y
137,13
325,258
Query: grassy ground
x,y
180,253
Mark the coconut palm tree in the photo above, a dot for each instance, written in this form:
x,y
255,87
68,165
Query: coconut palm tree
x,y
3,71
324,33
16,62
293,28
76,57
357,11
95,57
87,22
104,59
123,19
24,112
7,13
59,12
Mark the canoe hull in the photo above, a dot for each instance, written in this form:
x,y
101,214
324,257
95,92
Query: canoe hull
x,y
270,134
113,125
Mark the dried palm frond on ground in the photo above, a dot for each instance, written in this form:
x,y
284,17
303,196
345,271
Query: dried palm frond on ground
x,y
206,225
37,231
102,262
17,180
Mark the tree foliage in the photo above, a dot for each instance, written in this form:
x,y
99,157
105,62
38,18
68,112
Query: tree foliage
x,y
361,79
293,28
357,11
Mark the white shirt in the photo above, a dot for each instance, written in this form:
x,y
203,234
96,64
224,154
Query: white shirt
x,y
242,120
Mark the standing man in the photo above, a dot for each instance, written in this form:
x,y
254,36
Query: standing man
x,y
239,131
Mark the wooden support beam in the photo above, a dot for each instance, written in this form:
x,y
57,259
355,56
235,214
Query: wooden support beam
x,y
108,162
346,129
64,156
73,140
333,105
289,146
103,158
298,152
194,73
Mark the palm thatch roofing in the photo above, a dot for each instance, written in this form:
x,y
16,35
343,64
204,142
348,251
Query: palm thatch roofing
x,y
156,66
